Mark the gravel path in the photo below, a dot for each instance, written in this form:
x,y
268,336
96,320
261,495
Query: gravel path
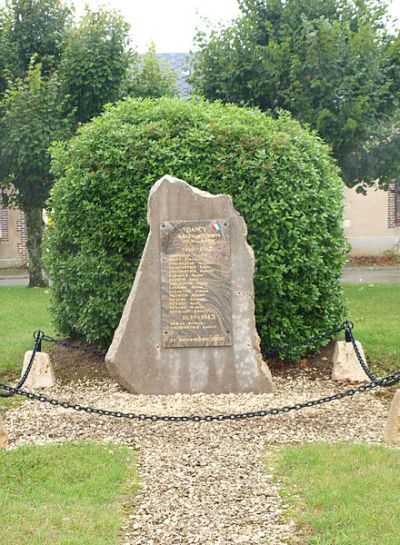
x,y
204,483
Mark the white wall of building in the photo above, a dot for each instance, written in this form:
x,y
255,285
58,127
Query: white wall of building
x,y
367,223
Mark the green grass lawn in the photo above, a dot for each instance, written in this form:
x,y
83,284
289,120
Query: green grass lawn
x,y
375,311
69,494
22,310
345,494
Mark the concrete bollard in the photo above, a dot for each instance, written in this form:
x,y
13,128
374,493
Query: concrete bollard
x,y
3,434
42,372
391,433
346,367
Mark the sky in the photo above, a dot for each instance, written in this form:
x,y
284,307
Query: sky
x,y
171,24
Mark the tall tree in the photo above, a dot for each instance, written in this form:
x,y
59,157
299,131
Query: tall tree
x,y
329,62
31,106
32,115
91,59
95,62
32,27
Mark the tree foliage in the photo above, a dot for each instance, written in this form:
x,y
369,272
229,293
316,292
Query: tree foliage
x,y
332,63
77,68
33,115
32,110
95,61
150,77
31,28
280,176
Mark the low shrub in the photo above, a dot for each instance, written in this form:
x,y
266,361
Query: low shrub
x,y
281,178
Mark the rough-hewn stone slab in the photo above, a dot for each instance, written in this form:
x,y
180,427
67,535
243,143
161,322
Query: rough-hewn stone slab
x,y
137,357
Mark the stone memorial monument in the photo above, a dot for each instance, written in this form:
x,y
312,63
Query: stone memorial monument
x,y
188,325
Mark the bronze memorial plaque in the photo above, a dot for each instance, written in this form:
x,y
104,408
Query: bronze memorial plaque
x,y
196,298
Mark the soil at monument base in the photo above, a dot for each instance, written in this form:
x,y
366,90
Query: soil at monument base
x,y
316,365
73,365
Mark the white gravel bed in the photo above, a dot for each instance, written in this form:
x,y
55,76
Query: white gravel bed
x,y
203,483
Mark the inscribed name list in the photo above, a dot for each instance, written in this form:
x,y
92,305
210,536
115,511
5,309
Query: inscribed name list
x,y
196,293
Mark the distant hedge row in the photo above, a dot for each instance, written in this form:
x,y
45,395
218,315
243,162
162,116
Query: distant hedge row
x,y
281,178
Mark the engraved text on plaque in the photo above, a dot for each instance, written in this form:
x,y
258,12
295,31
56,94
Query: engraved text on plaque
x,y
196,299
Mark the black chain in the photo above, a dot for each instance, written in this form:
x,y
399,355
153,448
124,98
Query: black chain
x,y
389,380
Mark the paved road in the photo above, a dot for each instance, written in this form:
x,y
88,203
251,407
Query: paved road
x,y
371,275
13,281
353,275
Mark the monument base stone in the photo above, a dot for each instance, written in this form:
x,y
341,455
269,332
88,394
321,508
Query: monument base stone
x,y
158,348
391,434
42,372
346,367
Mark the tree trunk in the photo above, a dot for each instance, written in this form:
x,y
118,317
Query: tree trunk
x,y
34,227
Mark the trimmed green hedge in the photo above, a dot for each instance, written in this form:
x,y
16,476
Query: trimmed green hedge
x,y
281,178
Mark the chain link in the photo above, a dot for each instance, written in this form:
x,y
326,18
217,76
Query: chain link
x,y
389,380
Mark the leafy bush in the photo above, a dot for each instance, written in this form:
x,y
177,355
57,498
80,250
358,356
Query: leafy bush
x,y
281,178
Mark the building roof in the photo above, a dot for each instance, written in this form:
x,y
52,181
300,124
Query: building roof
x,y
181,64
